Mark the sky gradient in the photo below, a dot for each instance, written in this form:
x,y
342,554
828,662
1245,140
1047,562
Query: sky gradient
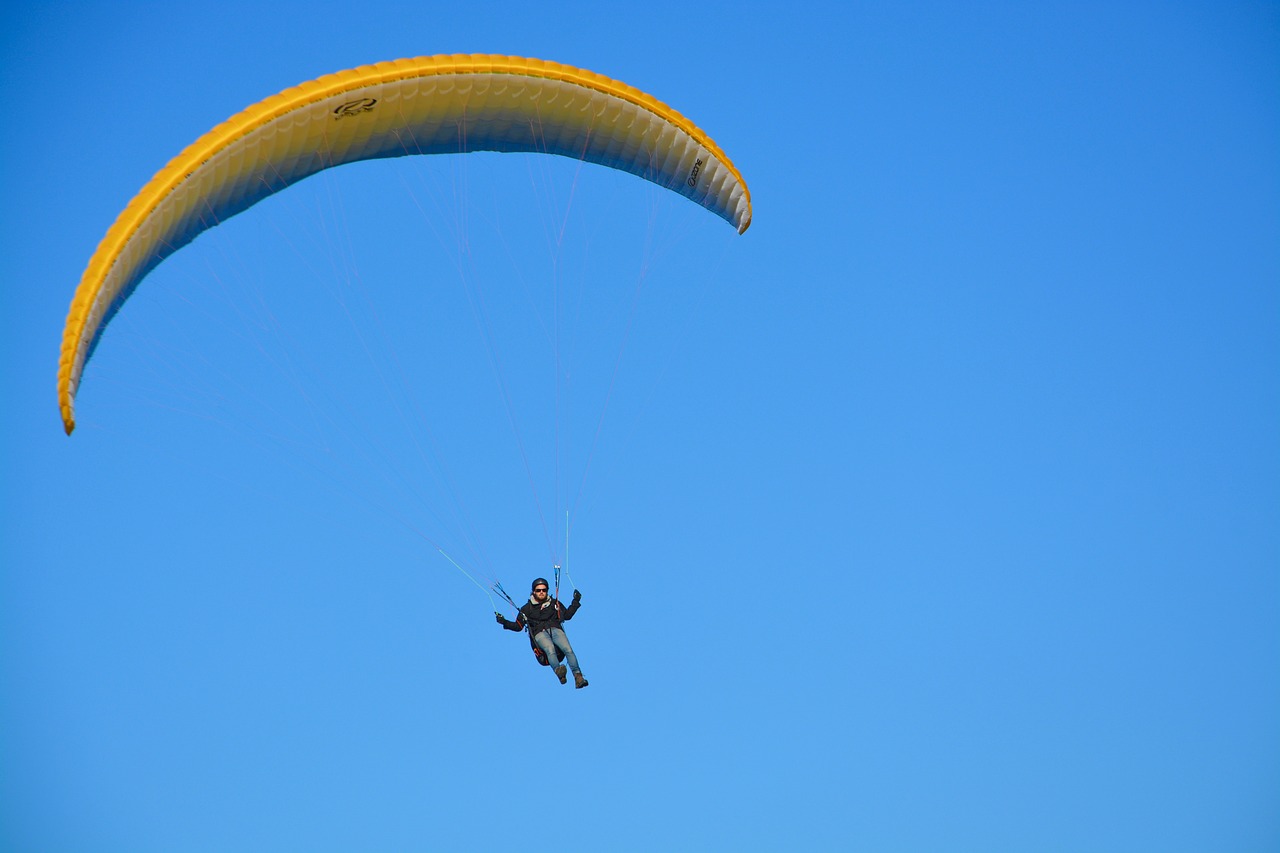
x,y
939,511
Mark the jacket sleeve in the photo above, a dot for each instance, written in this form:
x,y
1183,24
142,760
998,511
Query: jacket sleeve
x,y
517,625
567,613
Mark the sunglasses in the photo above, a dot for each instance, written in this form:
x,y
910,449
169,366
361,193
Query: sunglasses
x,y
541,589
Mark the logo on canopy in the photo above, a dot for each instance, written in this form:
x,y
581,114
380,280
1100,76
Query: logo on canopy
x,y
693,176
353,108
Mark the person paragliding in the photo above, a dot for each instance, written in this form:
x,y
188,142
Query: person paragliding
x,y
544,616
427,105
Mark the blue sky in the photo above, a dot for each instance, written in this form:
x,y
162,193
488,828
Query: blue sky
x,y
940,511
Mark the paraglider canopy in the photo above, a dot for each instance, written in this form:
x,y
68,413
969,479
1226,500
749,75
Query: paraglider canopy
x,y
427,105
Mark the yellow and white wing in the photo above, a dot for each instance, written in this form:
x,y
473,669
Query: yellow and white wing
x,y
427,105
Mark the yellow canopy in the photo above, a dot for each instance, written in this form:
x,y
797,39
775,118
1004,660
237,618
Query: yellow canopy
x,y
427,105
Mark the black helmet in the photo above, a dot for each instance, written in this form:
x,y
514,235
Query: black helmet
x,y
537,581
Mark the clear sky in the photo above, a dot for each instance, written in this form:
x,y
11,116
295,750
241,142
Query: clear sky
x,y
939,511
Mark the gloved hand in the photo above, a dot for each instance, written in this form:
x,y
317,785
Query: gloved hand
x,y
502,620
577,596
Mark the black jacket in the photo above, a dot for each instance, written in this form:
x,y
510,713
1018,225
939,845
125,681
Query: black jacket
x,y
540,617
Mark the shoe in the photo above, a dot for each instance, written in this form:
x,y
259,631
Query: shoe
x,y
560,673
578,680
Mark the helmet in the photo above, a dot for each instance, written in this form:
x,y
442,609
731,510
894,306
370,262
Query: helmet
x,y
537,581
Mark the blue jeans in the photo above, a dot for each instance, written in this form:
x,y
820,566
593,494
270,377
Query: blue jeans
x,y
552,639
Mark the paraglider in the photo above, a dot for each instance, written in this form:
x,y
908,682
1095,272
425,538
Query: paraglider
x,y
428,105
544,616
453,104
